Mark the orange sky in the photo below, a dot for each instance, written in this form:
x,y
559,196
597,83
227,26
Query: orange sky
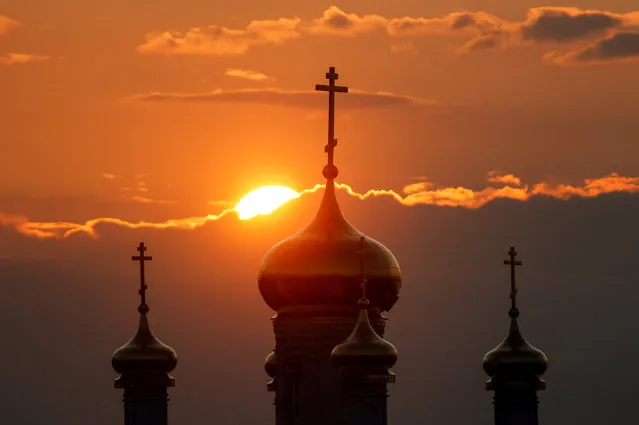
x,y
80,85
105,106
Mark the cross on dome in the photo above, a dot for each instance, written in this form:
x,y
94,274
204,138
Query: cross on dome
x,y
143,308
512,262
330,170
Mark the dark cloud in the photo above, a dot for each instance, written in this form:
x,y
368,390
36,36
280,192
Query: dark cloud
x,y
622,46
567,24
292,98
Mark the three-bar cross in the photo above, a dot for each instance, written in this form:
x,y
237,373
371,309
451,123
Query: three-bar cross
x,y
142,258
513,285
331,88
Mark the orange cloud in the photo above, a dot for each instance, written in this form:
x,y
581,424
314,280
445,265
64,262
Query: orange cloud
x,y
294,98
218,40
61,229
335,21
484,31
147,200
246,74
508,179
20,58
423,193
7,24
108,176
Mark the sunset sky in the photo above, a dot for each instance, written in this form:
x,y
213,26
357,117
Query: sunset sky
x,y
169,112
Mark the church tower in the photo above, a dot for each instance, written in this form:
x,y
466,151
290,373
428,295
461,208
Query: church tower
x,y
312,281
364,360
515,368
144,364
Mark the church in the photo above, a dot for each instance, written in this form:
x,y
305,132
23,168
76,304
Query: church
x,y
329,286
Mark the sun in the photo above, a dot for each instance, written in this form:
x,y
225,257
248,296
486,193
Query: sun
x,y
264,201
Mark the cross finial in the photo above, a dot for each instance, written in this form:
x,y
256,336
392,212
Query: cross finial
x,y
330,170
512,262
143,308
363,281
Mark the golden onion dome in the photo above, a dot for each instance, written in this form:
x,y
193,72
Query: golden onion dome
x,y
144,352
364,347
320,264
515,356
270,364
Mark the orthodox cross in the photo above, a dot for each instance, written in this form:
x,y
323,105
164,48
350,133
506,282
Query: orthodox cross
x,y
513,286
331,88
360,251
143,308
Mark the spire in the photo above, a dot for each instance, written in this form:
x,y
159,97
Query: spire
x,y
364,347
143,308
144,351
513,263
515,359
330,171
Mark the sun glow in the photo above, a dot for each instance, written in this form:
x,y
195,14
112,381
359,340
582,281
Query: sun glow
x,y
264,201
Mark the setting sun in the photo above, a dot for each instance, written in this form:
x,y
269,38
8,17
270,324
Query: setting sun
x,y
264,201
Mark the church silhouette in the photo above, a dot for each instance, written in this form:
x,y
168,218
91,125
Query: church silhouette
x,y
329,285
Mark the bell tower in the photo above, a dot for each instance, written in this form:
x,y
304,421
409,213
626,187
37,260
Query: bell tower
x,y
312,281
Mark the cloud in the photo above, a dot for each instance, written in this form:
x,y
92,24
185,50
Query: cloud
x,y
453,22
218,40
620,47
421,193
301,99
564,24
335,21
61,229
20,58
246,74
508,179
108,176
146,200
7,24
417,187
482,30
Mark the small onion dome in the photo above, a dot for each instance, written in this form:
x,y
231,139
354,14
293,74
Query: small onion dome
x,y
515,357
144,352
364,347
319,266
270,365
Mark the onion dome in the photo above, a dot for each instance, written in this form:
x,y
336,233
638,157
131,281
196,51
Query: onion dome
x,y
364,347
515,359
144,352
319,266
270,365
515,356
